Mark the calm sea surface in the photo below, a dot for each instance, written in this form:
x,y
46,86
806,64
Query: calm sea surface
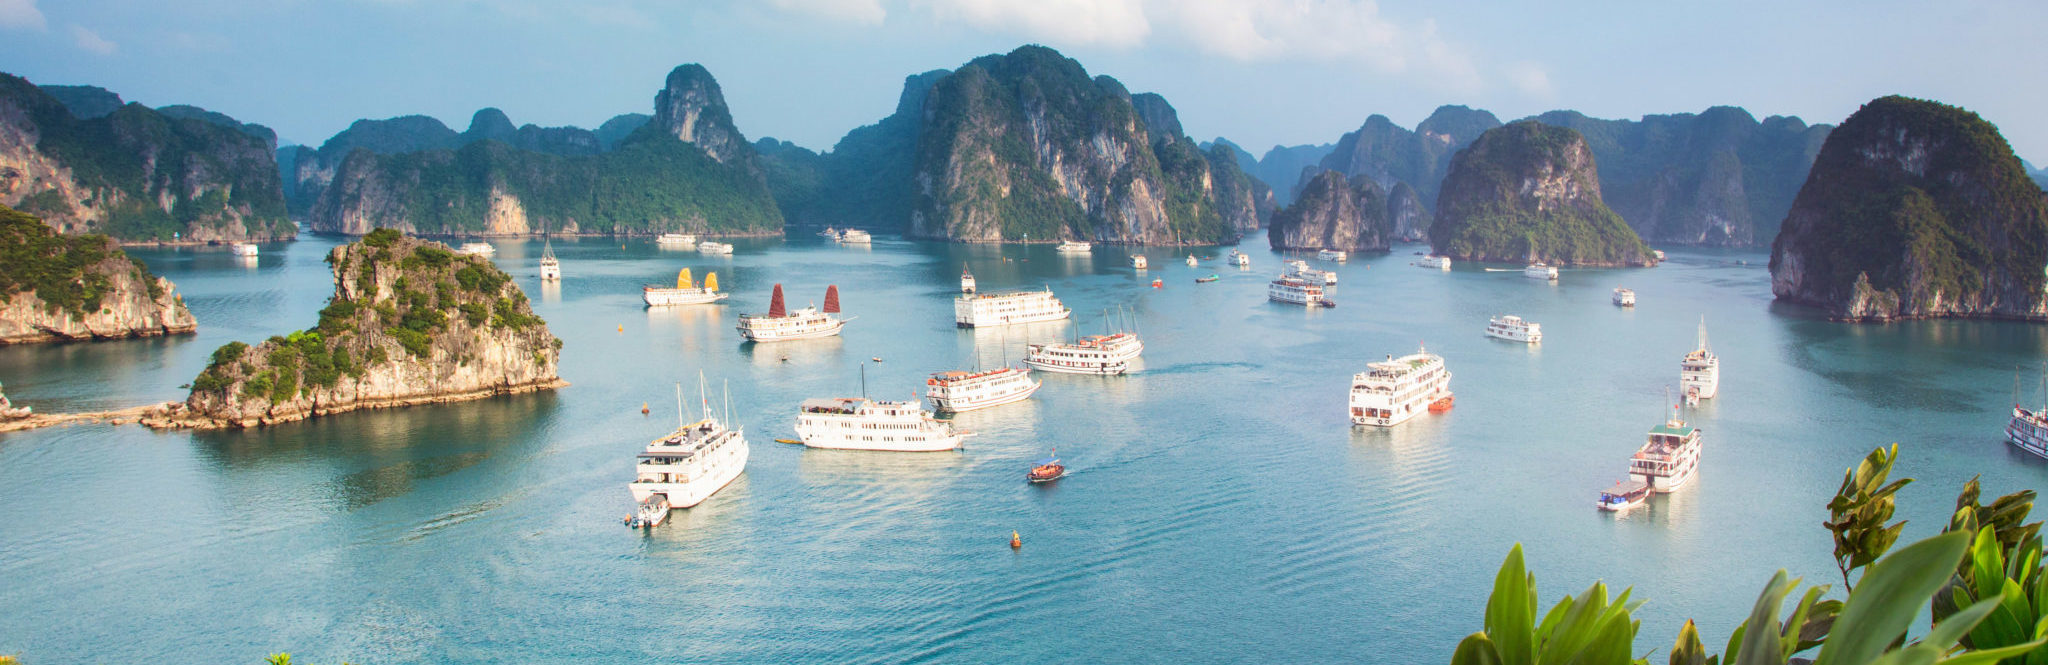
x,y
1219,507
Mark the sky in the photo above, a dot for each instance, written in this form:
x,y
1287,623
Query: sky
x,y
1259,72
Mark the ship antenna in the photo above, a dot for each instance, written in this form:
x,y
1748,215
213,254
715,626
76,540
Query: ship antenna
x,y
863,380
1703,332
679,406
703,395
728,403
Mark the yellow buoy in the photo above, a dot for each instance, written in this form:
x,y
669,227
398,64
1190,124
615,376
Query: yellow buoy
x,y
622,330
1015,540
643,408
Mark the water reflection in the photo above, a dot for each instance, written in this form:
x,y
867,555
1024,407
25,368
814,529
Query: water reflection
x,y
551,292
800,352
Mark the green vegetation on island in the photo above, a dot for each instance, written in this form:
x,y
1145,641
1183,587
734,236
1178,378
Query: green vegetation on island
x,y
63,271
1530,192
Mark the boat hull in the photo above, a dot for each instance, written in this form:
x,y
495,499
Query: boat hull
x,y
955,405
996,321
667,297
828,441
1100,369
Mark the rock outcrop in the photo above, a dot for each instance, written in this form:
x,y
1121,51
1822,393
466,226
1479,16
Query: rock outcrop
x,y
410,323
67,288
654,182
1410,218
1028,146
136,174
866,180
1915,209
1332,212
1389,154
1284,167
1527,191
1246,203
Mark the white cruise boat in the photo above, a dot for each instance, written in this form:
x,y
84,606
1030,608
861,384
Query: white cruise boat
x,y
675,239
966,280
1002,308
550,267
1138,261
1240,259
244,249
858,423
1658,253
1624,298
855,237
1338,256
1434,262
830,232
1094,354
953,392
2028,429
716,248
1074,247
1390,392
1699,373
477,249
1669,458
686,291
1514,329
691,463
1191,261
1301,270
1539,271
780,324
1296,291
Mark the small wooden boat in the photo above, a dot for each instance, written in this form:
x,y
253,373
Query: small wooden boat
x,y
790,441
1624,495
1206,280
1442,405
1158,283
1047,470
1326,302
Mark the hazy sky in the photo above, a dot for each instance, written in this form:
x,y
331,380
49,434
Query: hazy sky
x,y
1259,72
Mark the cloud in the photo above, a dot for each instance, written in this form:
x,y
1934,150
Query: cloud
x,y
1120,23
865,12
20,14
202,42
91,41
1532,79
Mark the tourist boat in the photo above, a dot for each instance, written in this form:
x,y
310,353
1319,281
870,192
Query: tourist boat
x,y
1658,253
1390,392
1139,262
780,324
1539,271
859,423
1047,470
1699,373
675,239
550,267
966,280
686,291
1094,354
244,249
1206,280
1669,458
1624,298
1514,329
651,513
1301,270
1191,260
1074,247
1434,262
954,392
709,247
1158,282
1295,291
855,237
831,233
693,462
2028,429
477,249
1624,495
1443,405
1240,259
1002,308
1338,256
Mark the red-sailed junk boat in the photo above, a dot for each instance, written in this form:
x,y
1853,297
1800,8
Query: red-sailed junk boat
x,y
1047,470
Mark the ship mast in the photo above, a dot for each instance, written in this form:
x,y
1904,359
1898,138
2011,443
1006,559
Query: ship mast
x,y
1703,332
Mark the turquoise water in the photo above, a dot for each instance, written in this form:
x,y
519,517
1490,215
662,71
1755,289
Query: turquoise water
x,y
1219,507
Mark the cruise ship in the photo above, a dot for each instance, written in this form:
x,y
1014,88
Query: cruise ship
x,y
779,324
966,280
1390,392
550,267
1138,261
691,463
477,249
953,392
859,423
709,247
1669,458
1514,329
1002,308
1296,291
2028,431
1301,270
675,239
1239,259
1624,298
1338,256
1074,247
1699,373
1094,354
1434,262
855,237
1539,271
686,292
244,249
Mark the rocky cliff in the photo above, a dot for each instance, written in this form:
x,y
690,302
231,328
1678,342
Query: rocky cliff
x,y
1333,212
1390,154
1246,203
657,180
865,180
1410,218
307,177
1915,209
1285,167
1028,146
60,288
1531,192
410,322
136,174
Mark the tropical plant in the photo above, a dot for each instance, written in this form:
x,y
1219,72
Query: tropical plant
x,y
1589,629
2004,565
1859,510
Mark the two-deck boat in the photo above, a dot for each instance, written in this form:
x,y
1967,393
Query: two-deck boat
x,y
1699,373
477,249
1514,329
1390,392
1669,458
1002,308
780,324
1434,262
1624,298
1074,247
244,249
955,391
1336,255
859,423
1139,262
550,267
686,292
855,237
680,240
966,280
1624,495
1240,259
2027,431
1191,261
1094,354
714,248
1301,270
1295,291
1538,270
690,464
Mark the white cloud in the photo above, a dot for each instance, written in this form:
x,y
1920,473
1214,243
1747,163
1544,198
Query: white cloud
x,y
1532,79
1119,23
92,41
865,12
203,42
16,14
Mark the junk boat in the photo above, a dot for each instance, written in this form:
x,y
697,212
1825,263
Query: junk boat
x,y
855,237
1295,291
1074,247
1539,271
1434,262
2028,429
1301,270
1240,259
1390,392
686,292
954,392
550,267
1338,256
675,240
830,232
1139,262
1624,298
966,280
1191,261
691,463
1669,458
859,423
1512,328
1047,470
1699,373
1002,308
1094,354
477,249
714,248
1624,495
779,324
244,249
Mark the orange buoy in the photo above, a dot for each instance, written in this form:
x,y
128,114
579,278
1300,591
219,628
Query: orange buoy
x,y
622,330
1015,540
643,408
